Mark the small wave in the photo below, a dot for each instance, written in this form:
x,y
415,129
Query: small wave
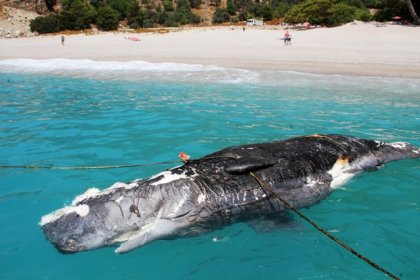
x,y
16,195
129,70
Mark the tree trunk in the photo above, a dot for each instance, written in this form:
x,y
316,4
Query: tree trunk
x,y
412,12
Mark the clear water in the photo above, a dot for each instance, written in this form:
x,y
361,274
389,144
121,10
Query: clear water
x,y
69,112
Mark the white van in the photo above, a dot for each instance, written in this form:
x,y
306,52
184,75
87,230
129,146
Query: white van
x,y
254,22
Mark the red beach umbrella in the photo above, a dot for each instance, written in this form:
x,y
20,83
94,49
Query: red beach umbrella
x,y
396,18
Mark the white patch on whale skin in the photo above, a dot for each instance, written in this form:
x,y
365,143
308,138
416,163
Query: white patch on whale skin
x,y
340,173
311,182
119,185
82,210
88,193
379,143
118,200
95,192
399,145
169,176
343,171
403,146
201,198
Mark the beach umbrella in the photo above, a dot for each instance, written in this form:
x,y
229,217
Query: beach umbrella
x,y
306,24
396,18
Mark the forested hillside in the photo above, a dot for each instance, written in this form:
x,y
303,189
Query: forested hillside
x,y
109,14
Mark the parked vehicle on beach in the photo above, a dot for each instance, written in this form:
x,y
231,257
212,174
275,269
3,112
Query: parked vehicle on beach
x,y
254,22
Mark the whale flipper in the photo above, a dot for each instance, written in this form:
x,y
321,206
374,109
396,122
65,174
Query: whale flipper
x,y
158,230
246,165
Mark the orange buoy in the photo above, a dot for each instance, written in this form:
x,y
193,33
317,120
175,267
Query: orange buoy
x,y
184,157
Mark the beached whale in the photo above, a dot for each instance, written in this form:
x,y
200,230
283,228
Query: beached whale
x,y
216,190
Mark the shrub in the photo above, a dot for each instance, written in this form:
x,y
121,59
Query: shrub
x,y
121,6
168,6
320,12
47,24
391,8
83,14
363,15
134,14
231,8
340,13
195,3
280,10
221,15
267,12
107,18
243,15
148,23
172,19
183,4
149,18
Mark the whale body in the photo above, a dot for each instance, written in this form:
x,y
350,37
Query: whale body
x,y
216,190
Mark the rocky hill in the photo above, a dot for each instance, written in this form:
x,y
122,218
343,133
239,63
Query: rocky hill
x,y
14,22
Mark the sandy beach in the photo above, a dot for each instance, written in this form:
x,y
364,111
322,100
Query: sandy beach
x,y
356,49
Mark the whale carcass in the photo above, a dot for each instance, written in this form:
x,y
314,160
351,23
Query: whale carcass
x,y
216,190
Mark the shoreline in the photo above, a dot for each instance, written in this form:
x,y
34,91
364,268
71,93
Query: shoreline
x,y
357,49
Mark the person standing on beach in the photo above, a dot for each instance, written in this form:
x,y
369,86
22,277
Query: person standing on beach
x,y
62,39
287,38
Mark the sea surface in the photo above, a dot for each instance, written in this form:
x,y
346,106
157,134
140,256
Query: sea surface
x,y
85,113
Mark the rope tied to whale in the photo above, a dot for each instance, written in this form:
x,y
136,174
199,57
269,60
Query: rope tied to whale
x,y
185,158
182,156
266,189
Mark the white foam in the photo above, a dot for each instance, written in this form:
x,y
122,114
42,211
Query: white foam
x,y
128,70
81,210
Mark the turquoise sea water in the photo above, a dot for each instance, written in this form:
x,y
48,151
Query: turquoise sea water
x,y
62,112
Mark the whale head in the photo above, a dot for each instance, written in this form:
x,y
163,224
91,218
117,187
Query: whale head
x,y
130,214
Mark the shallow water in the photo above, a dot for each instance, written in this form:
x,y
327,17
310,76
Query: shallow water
x,y
87,113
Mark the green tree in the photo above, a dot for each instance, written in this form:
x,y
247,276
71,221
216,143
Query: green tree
x,y
221,15
313,11
168,5
391,8
183,4
172,19
231,8
280,10
243,15
340,13
267,12
107,18
185,14
195,3
134,14
149,18
83,14
121,6
363,15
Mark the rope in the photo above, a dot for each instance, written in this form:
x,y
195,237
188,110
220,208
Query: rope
x,y
265,189
111,166
86,167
